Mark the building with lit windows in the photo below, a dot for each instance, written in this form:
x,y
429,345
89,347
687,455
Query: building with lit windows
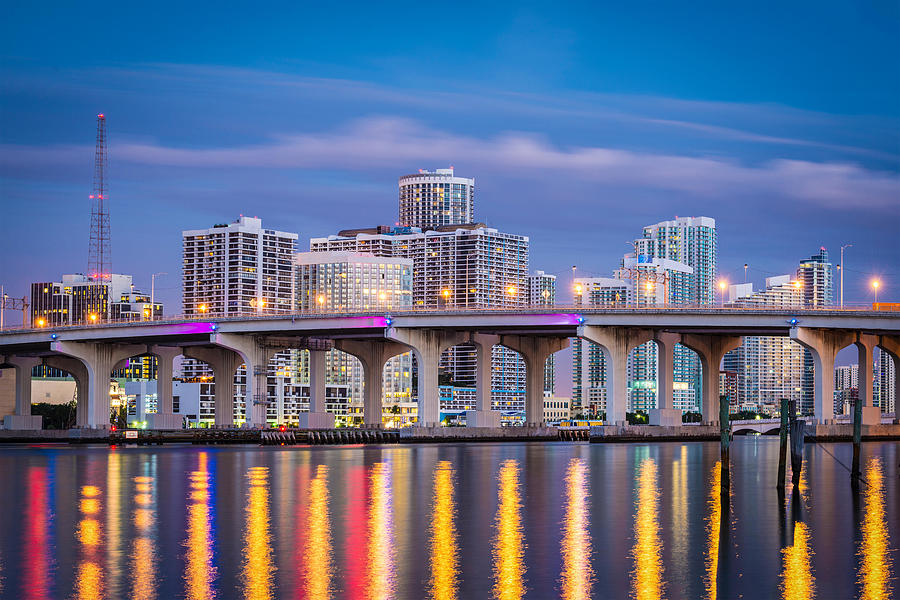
x,y
80,299
846,388
816,277
431,199
885,381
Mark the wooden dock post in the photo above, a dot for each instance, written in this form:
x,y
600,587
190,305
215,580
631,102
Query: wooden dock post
x,y
783,439
857,437
725,431
797,430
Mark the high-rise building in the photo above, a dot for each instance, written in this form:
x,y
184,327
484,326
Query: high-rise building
x,y
846,388
465,266
769,368
816,278
691,241
431,199
588,361
237,268
342,281
886,382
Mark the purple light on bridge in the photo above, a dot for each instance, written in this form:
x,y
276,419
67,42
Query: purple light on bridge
x,y
556,319
188,328
379,322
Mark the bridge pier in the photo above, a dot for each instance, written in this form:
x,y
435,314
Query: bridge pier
x,y
317,417
373,355
711,349
99,360
865,345
665,413
823,344
535,351
224,364
22,419
483,416
165,417
616,343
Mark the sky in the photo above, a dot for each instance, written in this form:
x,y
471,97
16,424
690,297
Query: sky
x,y
581,123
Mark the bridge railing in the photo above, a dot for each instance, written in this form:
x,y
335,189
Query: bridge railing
x,y
606,308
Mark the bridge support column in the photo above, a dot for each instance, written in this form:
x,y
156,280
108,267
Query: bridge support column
x,y
317,417
427,345
712,349
373,355
223,363
665,412
865,344
164,418
22,419
823,344
616,343
99,360
256,357
483,416
535,351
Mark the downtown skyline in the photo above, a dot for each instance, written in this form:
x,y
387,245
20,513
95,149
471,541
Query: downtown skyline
x,y
575,145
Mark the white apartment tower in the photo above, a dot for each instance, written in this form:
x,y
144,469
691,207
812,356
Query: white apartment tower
x,y
431,199
237,268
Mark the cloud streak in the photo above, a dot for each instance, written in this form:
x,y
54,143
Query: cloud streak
x,y
378,143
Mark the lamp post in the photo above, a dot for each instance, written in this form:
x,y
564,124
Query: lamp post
x,y
153,293
723,285
745,272
875,285
841,269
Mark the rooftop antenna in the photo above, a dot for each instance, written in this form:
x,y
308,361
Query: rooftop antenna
x,y
99,261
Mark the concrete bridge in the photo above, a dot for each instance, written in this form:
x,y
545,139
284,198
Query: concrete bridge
x,y
90,353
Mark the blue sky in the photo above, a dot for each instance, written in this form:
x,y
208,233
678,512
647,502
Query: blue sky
x,y
581,123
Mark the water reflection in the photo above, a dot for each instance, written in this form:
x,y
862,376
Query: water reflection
x,y
509,549
36,582
143,559
797,581
680,542
89,578
199,571
258,568
713,531
317,570
577,575
874,548
380,579
444,547
646,581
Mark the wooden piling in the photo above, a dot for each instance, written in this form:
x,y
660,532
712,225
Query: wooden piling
x,y
857,437
797,427
725,431
783,438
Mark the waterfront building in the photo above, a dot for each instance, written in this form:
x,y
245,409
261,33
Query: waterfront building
x,y
80,299
691,241
885,381
769,368
431,199
816,277
846,388
557,409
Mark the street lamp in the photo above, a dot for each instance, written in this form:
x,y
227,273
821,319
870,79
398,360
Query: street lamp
x,y
875,285
153,290
93,317
445,293
723,285
320,300
203,308
841,269
40,322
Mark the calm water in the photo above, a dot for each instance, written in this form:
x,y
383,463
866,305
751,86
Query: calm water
x,y
445,521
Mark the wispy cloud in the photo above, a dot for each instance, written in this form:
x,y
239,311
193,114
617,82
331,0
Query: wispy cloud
x,y
387,142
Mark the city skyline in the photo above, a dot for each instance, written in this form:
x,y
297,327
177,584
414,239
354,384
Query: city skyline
x,y
572,145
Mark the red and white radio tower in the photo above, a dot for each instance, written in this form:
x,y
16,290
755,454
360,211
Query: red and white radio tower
x,y
99,261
